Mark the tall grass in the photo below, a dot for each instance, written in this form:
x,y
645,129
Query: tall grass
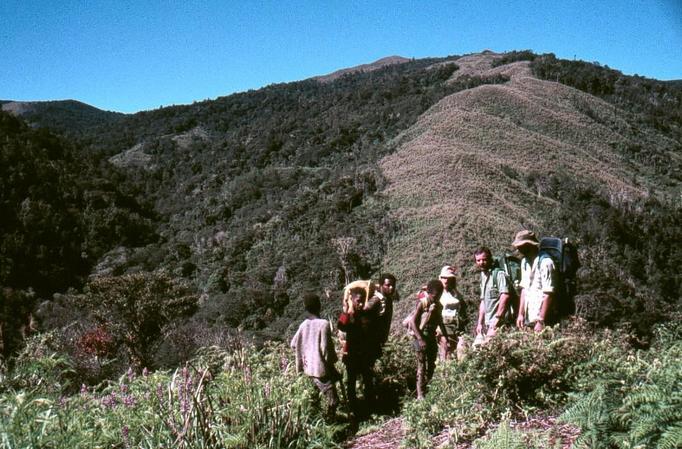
x,y
243,399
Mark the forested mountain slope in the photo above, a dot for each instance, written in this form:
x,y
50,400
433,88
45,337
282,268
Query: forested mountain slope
x,y
262,195
65,116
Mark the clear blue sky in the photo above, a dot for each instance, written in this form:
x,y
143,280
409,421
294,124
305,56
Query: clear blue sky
x,y
135,55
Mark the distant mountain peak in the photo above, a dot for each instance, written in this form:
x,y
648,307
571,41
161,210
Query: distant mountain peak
x,y
376,65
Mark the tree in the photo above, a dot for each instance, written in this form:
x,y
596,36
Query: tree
x,y
136,309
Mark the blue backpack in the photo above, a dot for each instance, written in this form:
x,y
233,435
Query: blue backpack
x,y
564,253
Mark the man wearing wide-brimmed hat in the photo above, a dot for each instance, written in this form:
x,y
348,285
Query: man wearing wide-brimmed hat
x,y
537,274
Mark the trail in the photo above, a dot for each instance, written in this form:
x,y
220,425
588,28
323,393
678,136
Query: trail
x,y
389,436
392,433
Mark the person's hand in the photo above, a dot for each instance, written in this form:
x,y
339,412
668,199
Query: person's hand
x,y
422,344
519,322
479,329
539,325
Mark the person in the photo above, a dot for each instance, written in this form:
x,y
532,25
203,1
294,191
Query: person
x,y
454,316
382,300
359,325
424,321
537,282
315,353
495,308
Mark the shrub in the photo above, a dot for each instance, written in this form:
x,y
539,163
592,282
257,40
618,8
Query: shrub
x,y
39,367
516,372
137,308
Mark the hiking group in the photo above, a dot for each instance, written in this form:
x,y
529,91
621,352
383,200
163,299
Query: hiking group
x,y
528,293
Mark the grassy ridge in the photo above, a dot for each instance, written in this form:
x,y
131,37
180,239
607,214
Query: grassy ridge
x,y
484,162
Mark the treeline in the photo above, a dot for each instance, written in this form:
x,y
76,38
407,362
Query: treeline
x,y
60,213
653,103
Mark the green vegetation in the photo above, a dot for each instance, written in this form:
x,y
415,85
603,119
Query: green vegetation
x,y
67,117
224,212
617,396
632,400
612,395
60,211
242,399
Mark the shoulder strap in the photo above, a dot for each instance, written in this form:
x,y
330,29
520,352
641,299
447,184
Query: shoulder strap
x,y
494,273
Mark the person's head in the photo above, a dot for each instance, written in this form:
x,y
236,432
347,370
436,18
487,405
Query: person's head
x,y
387,284
526,243
447,277
358,296
483,258
434,289
312,304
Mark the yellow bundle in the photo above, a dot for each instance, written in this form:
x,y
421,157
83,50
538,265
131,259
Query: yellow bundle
x,y
367,285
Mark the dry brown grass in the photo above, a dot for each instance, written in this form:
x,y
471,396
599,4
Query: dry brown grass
x,y
446,184
376,65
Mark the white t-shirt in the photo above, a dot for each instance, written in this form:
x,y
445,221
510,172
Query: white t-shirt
x,y
536,281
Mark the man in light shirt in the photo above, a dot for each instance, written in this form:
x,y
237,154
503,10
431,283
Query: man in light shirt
x,y
537,282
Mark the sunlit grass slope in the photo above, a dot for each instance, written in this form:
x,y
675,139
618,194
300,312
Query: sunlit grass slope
x,y
474,168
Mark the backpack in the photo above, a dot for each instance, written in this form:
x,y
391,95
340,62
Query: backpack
x,y
564,253
511,265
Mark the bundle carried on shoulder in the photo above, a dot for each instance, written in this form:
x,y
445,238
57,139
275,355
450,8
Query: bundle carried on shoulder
x,y
368,285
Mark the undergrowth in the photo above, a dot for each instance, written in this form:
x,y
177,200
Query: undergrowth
x,y
631,400
243,399
619,397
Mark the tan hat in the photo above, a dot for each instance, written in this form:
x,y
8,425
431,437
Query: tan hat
x,y
447,272
525,237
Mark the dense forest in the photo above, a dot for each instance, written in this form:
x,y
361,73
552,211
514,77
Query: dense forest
x,y
180,236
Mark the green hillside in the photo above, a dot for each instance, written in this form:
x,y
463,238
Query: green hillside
x,y
64,116
152,265
262,195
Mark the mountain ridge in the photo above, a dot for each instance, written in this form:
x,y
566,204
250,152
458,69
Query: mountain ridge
x,y
369,67
267,184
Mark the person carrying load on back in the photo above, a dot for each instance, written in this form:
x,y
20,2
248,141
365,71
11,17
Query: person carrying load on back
x,y
315,353
423,322
454,316
495,309
537,282
359,325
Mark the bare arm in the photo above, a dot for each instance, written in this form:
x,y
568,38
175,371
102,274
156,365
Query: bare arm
x,y
442,326
520,320
501,307
414,324
546,305
481,318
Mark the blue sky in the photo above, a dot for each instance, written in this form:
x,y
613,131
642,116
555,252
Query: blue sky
x,y
129,56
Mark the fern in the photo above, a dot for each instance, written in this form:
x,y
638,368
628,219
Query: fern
x,y
642,409
503,438
671,438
